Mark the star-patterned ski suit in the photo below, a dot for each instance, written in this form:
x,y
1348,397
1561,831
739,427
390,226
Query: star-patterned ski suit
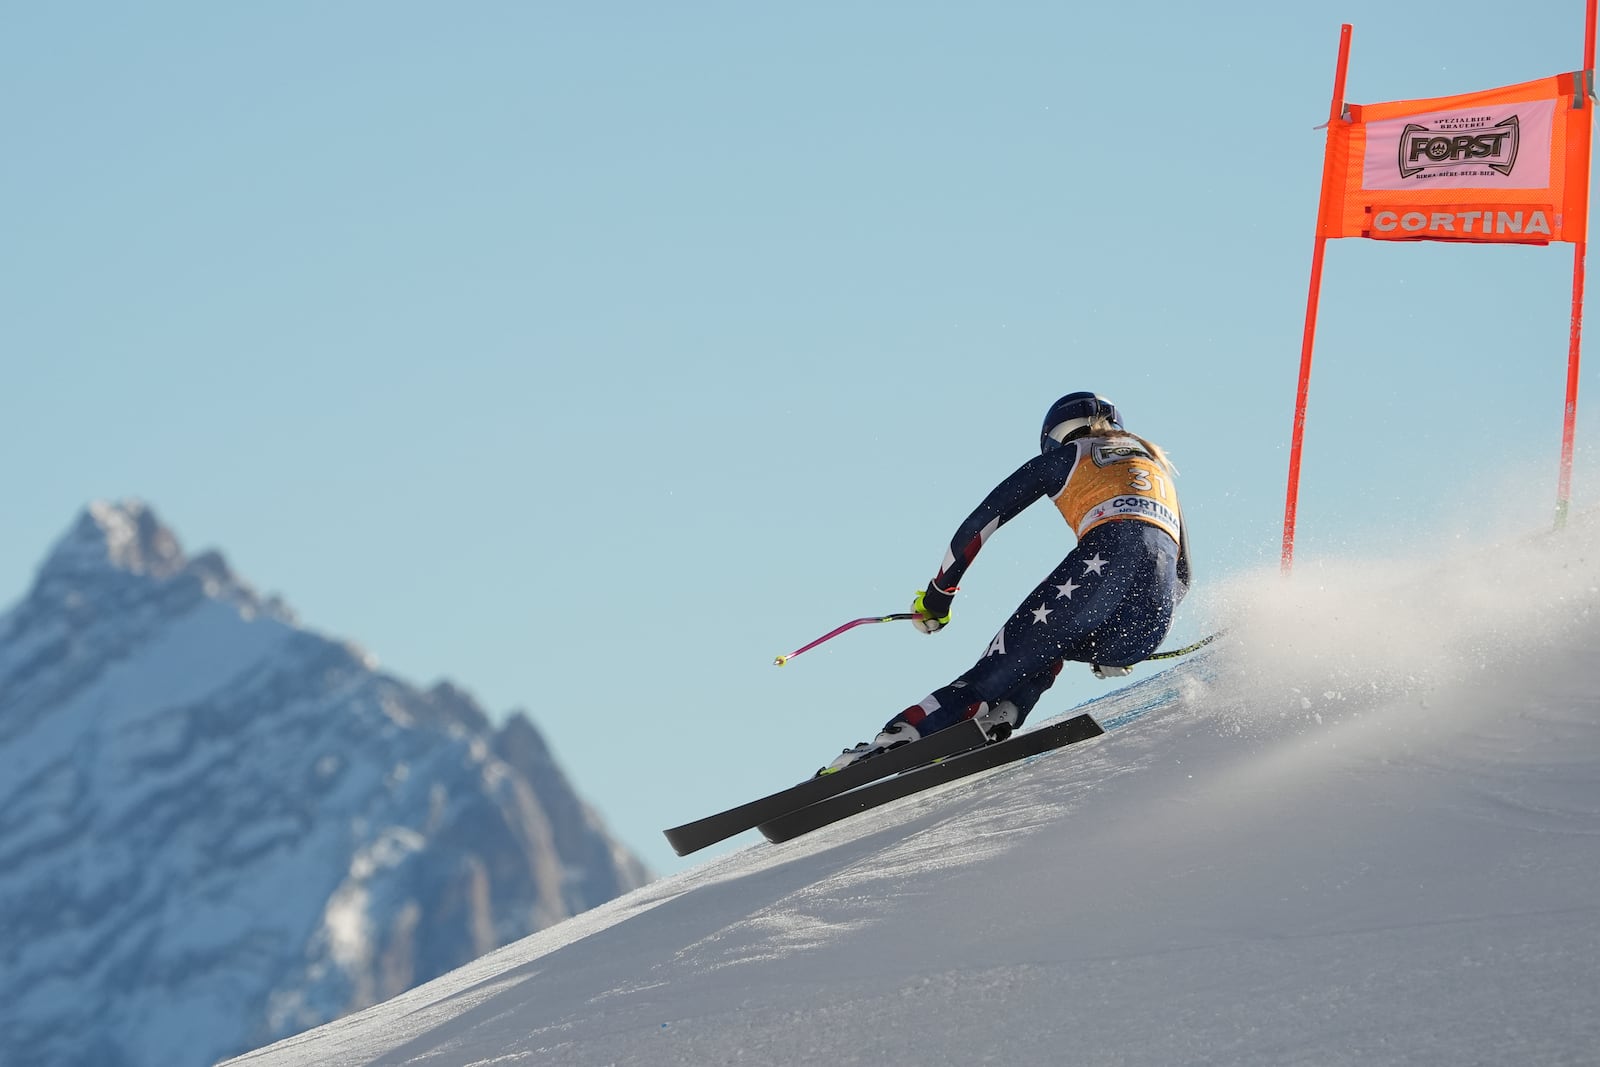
x,y
1109,602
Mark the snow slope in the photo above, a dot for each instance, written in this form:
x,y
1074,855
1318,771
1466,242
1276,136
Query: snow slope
x,y
1365,829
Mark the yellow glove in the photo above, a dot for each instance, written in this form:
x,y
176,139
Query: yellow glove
x,y
932,610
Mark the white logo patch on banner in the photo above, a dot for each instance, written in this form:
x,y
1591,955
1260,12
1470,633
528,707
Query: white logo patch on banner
x,y
1479,149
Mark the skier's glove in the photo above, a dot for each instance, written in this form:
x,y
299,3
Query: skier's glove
x,y
932,610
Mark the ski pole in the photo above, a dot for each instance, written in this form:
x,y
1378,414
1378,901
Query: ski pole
x,y
852,624
1186,649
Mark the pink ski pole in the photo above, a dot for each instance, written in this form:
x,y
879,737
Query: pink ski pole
x,y
852,624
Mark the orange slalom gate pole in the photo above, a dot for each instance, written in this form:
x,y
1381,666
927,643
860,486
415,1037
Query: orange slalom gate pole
x,y
1569,420
1307,341
1575,337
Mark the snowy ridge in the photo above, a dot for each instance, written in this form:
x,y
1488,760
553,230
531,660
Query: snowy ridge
x,y
1364,829
218,828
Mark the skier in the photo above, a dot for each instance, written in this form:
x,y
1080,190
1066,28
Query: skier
x,y
1109,603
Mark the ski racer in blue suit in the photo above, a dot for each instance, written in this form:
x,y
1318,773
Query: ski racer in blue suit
x,y
1109,603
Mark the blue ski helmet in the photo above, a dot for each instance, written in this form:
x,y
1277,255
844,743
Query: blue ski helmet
x,y
1072,414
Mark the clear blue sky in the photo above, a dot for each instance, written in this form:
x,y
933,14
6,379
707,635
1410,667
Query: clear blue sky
x,y
591,355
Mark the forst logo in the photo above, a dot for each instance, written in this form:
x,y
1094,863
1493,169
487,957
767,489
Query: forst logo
x,y
1423,149
1108,454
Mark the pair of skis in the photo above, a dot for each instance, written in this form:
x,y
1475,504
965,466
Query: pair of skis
x,y
946,756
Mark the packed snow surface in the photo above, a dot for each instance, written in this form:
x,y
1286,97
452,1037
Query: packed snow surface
x,y
1362,829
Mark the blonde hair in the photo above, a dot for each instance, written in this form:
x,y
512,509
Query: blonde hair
x,y
1104,427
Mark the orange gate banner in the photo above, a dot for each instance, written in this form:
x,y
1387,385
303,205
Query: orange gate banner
x,y
1508,165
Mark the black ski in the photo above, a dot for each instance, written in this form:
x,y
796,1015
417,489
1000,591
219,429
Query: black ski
x,y
792,824
713,828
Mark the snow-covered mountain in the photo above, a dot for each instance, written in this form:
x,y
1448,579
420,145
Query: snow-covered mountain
x,y
1362,830
218,828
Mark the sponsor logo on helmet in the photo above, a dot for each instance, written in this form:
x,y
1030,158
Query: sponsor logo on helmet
x,y
1448,145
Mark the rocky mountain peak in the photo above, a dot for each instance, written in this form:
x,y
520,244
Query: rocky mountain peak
x,y
125,536
122,550
228,827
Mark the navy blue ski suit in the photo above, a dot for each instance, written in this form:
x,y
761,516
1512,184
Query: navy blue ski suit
x,y
1109,602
